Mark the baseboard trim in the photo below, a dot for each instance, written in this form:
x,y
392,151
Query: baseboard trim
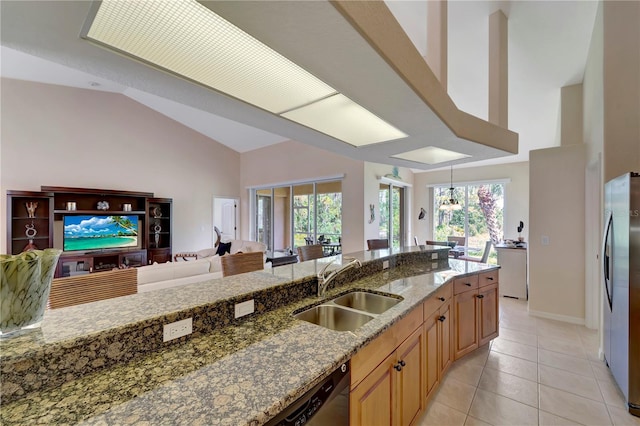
x,y
557,317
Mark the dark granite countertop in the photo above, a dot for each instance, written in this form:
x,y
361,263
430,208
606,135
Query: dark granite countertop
x,y
243,373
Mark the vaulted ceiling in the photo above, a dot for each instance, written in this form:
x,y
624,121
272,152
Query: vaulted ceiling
x,y
548,45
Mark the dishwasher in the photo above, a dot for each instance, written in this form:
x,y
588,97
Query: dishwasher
x,y
327,403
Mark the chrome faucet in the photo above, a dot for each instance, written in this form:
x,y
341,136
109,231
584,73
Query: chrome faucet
x,y
324,279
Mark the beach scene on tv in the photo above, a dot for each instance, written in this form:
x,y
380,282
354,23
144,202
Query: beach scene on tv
x,y
99,232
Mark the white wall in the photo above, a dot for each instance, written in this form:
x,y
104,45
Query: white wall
x,y
516,196
61,136
556,243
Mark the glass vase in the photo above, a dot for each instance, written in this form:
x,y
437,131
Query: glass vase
x,y
25,282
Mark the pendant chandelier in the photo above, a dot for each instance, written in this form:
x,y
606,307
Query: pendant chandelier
x,y
451,203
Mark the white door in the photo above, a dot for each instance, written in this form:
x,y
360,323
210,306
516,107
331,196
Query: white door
x,y
226,217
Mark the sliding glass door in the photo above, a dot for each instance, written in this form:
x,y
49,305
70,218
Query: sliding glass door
x,y
391,224
293,215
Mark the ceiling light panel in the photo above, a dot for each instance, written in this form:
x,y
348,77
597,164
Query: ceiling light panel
x,y
187,39
343,119
431,155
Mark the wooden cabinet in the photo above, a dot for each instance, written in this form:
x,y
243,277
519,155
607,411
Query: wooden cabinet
x,y
438,338
29,221
32,217
70,265
387,376
394,376
392,394
475,311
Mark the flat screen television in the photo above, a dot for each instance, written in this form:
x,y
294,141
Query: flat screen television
x,y
99,232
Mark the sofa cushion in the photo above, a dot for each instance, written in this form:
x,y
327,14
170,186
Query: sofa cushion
x,y
172,270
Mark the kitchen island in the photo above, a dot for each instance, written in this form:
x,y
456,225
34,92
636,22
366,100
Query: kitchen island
x,y
243,372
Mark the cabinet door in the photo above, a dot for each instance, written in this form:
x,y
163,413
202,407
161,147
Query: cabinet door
x,y
465,333
410,378
371,402
445,338
432,350
488,313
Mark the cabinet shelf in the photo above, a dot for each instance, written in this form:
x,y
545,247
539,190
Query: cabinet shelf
x,y
44,237
100,212
29,218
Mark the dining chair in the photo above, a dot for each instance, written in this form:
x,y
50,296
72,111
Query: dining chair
x,y
311,252
483,258
377,244
460,241
239,263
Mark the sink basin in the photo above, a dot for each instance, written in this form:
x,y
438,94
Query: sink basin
x,y
368,302
334,317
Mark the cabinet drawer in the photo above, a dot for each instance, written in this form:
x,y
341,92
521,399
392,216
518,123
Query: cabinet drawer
x,y
463,284
488,278
437,299
369,357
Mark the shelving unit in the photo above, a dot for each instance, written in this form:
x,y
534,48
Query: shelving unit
x,y
54,203
19,221
158,229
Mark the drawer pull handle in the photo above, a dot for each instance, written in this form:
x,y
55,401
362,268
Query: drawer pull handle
x,y
490,278
441,299
442,318
467,284
398,367
481,296
402,363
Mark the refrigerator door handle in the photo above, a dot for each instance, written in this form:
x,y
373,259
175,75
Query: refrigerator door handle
x,y
606,259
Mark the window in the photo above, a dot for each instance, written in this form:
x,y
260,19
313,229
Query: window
x,y
480,219
293,215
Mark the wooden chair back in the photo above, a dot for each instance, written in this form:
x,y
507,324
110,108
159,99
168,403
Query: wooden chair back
x,y
69,291
311,252
239,263
458,240
377,244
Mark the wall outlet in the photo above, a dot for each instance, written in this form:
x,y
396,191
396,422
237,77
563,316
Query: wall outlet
x,y
434,256
177,329
245,308
385,264
545,240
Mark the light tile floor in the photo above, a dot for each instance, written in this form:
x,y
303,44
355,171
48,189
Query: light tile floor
x,y
538,372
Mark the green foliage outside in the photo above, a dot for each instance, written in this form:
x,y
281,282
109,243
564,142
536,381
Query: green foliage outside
x,y
329,217
480,227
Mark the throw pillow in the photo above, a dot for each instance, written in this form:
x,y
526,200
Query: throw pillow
x,y
223,248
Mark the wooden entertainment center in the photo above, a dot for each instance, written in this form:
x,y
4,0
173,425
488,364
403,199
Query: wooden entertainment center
x,y
34,217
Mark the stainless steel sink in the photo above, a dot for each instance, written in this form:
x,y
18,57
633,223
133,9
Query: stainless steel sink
x,y
334,317
365,301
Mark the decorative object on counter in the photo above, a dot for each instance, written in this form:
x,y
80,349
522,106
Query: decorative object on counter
x,y
520,228
372,213
31,208
156,234
126,207
156,212
103,205
451,203
71,205
423,214
30,233
25,283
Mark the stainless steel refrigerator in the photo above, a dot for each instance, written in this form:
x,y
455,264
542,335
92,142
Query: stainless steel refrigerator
x,y
621,266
